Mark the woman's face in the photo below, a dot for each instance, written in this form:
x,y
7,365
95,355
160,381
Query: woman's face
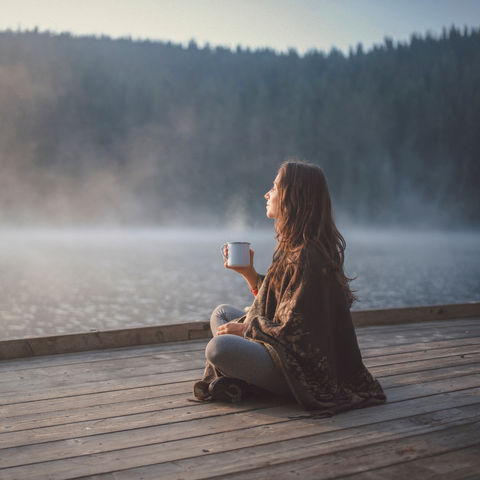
x,y
273,200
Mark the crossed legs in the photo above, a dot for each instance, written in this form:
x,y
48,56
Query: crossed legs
x,y
241,358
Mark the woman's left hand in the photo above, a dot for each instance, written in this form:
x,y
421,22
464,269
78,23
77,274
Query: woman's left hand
x,y
231,329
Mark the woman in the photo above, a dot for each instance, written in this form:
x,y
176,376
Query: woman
x,y
298,338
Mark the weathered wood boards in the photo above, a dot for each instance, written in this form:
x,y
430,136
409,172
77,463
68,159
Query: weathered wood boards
x,y
127,414
147,335
99,340
430,313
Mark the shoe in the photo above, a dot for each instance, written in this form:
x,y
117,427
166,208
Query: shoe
x,y
232,390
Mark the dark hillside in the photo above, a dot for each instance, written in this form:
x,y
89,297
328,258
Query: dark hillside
x,y
96,130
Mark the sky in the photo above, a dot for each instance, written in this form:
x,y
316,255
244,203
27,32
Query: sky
x,y
277,24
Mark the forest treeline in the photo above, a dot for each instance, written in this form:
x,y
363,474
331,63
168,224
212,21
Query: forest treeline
x,y
101,131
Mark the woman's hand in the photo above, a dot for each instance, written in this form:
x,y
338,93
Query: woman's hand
x,y
249,273
231,329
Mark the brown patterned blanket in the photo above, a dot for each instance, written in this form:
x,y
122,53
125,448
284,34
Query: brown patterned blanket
x,y
307,327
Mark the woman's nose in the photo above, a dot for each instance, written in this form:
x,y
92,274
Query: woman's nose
x,y
267,196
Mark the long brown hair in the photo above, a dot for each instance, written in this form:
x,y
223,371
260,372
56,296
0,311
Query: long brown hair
x,y
306,219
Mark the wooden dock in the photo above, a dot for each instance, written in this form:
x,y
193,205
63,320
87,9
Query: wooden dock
x,y
125,413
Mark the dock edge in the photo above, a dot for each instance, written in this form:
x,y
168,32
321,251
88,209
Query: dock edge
x,y
150,335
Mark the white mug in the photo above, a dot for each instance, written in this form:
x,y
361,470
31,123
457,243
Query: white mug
x,y
238,254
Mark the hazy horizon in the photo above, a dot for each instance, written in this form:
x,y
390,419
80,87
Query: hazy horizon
x,y
276,24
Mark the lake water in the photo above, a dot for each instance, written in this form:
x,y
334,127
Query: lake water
x,y
57,281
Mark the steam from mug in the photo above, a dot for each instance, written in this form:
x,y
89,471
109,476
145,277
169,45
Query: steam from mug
x,y
238,254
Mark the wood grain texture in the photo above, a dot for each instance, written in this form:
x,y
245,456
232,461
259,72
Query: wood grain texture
x,y
126,413
392,316
98,340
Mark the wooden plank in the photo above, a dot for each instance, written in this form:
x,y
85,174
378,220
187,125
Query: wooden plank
x,y
79,375
126,423
444,373
31,394
99,340
66,415
386,339
338,452
92,356
406,327
17,380
440,327
417,347
114,401
461,464
142,393
102,398
332,463
428,354
427,332
198,345
96,414
157,360
141,370
435,393
71,374
121,427
24,409
149,435
310,433
392,316
426,389
147,335
219,425
421,365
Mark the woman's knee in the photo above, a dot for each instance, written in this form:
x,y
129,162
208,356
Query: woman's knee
x,y
218,350
218,313
226,312
217,318
223,314
214,350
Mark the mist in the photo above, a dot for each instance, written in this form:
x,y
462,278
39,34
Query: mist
x,y
121,133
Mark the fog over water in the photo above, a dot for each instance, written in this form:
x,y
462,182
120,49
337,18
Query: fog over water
x,y
57,281
118,135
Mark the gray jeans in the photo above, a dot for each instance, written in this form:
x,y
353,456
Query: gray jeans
x,y
241,358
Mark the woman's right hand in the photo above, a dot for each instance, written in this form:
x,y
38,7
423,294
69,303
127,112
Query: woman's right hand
x,y
249,273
